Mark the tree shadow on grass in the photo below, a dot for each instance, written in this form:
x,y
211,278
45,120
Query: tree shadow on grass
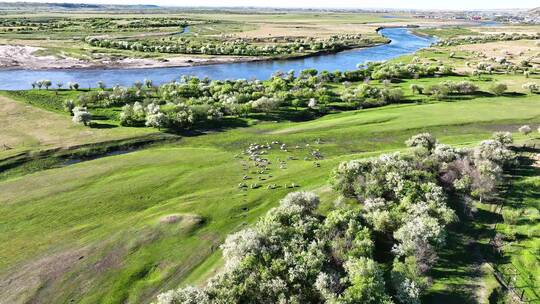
x,y
514,94
468,245
458,266
95,125
488,217
210,126
229,123
300,115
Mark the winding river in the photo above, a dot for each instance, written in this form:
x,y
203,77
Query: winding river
x,y
403,42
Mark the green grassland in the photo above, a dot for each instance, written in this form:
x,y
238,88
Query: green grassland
x,y
446,32
98,224
129,225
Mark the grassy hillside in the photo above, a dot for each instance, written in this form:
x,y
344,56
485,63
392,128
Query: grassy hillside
x,y
125,227
26,128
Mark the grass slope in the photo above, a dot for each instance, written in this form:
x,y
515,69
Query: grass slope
x,y
95,232
26,128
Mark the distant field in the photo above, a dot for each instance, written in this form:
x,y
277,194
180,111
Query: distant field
x,y
513,51
509,29
448,32
61,34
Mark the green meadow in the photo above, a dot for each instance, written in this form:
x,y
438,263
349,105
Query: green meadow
x,y
98,230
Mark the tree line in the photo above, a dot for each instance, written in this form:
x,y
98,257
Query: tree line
x,y
182,104
237,46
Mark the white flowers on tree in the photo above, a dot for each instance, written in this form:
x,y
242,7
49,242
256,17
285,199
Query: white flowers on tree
x,y
407,281
154,117
239,245
312,103
417,231
445,153
424,141
81,116
183,116
504,138
214,113
156,120
285,257
138,109
127,116
265,104
493,150
187,295
525,130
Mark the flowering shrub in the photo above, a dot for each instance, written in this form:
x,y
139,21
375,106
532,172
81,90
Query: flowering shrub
x,y
405,197
293,255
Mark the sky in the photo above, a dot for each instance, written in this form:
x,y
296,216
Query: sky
x,y
400,4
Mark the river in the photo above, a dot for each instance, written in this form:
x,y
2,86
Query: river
x,y
402,42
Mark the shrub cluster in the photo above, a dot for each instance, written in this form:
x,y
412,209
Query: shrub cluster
x,y
445,88
391,70
294,255
405,198
192,100
237,46
366,96
97,25
487,38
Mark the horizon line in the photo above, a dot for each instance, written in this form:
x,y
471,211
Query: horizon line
x,y
276,7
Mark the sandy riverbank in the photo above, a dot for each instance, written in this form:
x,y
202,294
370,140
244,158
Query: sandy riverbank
x,y
23,57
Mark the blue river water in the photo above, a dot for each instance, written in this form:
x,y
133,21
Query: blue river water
x,y
403,42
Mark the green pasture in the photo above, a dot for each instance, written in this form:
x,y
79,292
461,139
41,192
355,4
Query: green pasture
x,y
100,224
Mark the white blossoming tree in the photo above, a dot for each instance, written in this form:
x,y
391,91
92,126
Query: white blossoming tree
x,y
293,255
81,116
525,130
